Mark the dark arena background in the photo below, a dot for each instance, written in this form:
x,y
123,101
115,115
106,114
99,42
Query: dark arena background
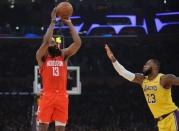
x,y
136,30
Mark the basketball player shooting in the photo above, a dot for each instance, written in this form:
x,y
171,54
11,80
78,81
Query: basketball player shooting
x,y
157,90
52,61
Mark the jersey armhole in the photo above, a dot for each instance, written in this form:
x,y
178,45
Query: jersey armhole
x,y
160,83
42,66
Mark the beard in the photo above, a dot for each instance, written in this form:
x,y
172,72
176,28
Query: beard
x,y
147,72
54,51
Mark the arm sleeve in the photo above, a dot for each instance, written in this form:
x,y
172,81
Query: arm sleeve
x,y
123,72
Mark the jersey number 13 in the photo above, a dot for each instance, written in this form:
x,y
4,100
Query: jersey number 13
x,y
151,98
55,71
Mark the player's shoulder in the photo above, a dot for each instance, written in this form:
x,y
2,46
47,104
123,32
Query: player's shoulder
x,y
166,79
167,76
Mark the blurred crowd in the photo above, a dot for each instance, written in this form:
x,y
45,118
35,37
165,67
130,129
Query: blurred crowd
x,y
110,108
24,17
15,113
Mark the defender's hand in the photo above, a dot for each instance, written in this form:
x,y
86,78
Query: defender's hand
x,y
109,53
53,14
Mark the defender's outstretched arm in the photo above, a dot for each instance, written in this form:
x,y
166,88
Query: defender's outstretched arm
x,y
137,78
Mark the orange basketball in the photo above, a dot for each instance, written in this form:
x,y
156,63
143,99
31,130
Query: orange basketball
x,y
64,10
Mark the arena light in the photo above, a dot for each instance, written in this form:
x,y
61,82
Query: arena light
x,y
17,28
160,25
75,17
12,3
118,27
12,6
167,13
31,35
72,17
42,28
165,1
132,18
77,27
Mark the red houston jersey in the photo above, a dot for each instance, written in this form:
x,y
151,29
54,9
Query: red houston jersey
x,y
54,75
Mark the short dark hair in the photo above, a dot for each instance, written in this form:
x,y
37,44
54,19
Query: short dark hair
x,y
156,62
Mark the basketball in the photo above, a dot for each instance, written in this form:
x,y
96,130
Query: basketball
x,y
64,10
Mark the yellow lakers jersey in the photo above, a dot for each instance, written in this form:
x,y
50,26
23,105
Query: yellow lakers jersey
x,y
158,98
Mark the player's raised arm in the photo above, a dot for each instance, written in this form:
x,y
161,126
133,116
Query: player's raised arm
x,y
137,78
168,80
41,52
74,47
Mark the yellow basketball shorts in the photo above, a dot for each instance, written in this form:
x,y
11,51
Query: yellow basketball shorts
x,y
170,123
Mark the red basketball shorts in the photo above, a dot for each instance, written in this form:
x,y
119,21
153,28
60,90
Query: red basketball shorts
x,y
53,107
